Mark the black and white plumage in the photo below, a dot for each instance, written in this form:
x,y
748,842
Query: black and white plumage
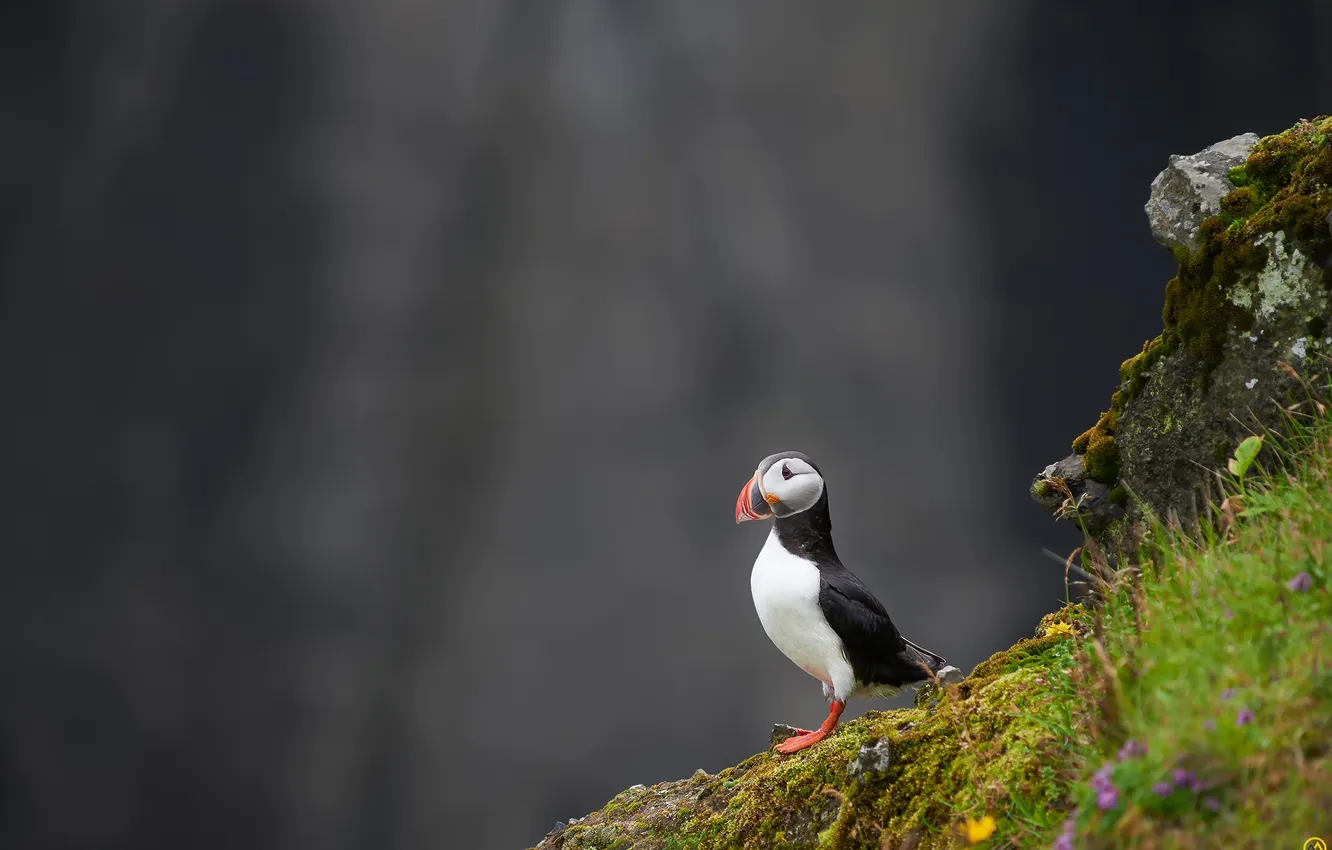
x,y
815,610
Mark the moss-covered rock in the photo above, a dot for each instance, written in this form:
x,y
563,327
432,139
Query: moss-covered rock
x,y
998,742
1192,188
1250,299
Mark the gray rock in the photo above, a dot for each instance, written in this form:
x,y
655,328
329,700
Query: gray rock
x,y
1092,497
780,732
872,760
950,675
1190,190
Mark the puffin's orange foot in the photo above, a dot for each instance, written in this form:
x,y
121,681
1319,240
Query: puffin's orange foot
x,y
800,742
807,738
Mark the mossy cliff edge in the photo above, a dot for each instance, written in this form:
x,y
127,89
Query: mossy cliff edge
x,y
1250,223
1140,686
997,742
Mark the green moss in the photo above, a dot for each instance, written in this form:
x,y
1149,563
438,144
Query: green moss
x,y
1273,159
1198,311
1119,496
1237,205
1021,654
993,743
1133,371
1102,458
1097,444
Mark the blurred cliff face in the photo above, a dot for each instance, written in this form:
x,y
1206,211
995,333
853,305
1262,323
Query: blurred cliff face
x,y
382,376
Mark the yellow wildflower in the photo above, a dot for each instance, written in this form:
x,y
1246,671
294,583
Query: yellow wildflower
x,y
976,831
1058,629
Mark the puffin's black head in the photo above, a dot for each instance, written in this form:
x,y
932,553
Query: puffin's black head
x,y
784,484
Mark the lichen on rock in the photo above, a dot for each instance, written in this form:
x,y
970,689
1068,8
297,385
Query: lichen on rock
x,y
1283,282
1251,293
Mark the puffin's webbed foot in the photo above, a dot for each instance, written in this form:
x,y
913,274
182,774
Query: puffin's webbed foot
x,y
806,738
799,742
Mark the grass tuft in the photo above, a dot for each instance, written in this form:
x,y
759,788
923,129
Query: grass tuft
x,y
1214,667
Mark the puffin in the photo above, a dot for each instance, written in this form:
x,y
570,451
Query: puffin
x,y
811,606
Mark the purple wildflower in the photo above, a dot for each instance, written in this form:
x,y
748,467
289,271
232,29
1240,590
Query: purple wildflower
x,y
1106,793
1212,804
1065,839
1131,749
1195,785
1229,614
1243,716
1162,789
1300,583
1182,776
1227,693
1101,779
1194,586
1106,800
1209,724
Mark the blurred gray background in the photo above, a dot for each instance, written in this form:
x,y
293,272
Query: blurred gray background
x,y
380,376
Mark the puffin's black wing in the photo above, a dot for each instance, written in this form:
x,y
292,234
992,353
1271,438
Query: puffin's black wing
x,y
878,653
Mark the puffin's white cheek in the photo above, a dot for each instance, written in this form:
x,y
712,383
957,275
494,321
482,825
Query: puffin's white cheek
x,y
804,491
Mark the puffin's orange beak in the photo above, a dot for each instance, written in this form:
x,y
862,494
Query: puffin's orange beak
x,y
750,502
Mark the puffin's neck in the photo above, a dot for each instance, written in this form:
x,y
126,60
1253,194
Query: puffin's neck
x,y
808,533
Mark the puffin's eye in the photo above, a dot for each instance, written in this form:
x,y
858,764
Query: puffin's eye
x,y
786,472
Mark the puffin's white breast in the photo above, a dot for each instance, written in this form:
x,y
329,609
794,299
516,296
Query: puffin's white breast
x,y
786,597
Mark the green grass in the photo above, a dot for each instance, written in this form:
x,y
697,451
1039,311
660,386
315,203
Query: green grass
x,y
1214,662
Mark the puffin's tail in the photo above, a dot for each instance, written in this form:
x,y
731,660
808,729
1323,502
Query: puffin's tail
x,y
920,655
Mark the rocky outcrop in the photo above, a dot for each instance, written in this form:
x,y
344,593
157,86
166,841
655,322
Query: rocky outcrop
x,y
1190,190
1250,222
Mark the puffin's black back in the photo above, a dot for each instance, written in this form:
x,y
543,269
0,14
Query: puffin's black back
x,y
877,652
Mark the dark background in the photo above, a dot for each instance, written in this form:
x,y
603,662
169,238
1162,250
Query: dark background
x,y
379,377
